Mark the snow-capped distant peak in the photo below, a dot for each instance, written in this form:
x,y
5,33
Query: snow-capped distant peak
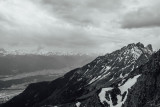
x,y
44,52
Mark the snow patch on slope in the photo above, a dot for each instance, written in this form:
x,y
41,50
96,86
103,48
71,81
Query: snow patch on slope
x,y
107,68
123,88
102,95
78,104
128,84
94,79
104,74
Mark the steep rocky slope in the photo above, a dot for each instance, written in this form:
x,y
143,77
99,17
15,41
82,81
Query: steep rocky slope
x,y
146,92
141,88
106,81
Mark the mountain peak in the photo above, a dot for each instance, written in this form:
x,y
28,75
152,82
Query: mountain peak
x,y
149,47
139,44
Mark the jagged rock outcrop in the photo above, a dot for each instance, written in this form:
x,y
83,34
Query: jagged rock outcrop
x,y
146,92
107,81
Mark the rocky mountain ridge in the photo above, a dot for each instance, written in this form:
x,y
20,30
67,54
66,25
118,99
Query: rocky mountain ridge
x,y
106,81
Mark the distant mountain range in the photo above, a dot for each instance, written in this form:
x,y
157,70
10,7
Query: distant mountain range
x,y
4,52
128,77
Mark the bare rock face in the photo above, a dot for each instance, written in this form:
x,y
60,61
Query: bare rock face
x,y
128,77
146,92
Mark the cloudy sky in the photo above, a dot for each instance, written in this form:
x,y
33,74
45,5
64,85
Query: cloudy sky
x,y
86,26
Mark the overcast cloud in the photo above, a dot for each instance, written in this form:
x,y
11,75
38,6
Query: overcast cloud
x,y
145,16
86,26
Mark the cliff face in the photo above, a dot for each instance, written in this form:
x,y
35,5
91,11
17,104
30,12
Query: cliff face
x,y
123,78
146,92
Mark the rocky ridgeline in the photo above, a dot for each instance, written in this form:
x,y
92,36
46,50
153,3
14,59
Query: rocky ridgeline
x,y
128,77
